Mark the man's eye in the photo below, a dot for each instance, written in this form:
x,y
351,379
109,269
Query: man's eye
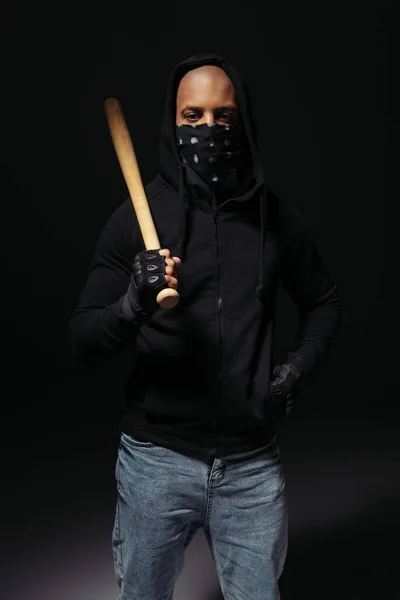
x,y
225,117
191,117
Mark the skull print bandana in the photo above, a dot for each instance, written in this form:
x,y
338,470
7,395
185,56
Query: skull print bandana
x,y
214,152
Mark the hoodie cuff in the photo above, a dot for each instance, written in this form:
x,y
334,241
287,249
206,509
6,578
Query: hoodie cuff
x,y
121,321
301,361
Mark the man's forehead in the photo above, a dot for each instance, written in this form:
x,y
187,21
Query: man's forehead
x,y
204,72
208,76
199,85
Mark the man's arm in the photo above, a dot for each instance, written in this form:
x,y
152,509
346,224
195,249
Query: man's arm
x,y
104,321
307,280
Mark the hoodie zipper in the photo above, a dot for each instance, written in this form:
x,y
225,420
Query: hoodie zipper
x,y
215,216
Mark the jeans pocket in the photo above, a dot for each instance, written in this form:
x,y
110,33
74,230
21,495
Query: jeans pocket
x,y
131,441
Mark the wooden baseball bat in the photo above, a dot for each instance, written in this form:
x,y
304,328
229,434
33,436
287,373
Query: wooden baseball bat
x,y
168,297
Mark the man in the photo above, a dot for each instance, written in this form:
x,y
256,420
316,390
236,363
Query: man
x,y
198,446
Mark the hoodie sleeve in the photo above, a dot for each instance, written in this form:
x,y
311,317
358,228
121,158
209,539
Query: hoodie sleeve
x,y
103,321
307,280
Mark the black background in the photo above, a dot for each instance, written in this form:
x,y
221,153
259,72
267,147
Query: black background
x,y
322,78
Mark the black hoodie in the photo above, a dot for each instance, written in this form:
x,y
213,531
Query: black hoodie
x,y
200,378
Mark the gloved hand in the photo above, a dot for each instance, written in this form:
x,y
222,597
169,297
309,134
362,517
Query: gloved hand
x,y
151,273
284,386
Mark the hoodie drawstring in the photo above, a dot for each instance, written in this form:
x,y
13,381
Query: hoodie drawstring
x,y
181,246
263,218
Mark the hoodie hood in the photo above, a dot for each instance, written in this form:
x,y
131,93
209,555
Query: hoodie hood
x,y
169,158
170,164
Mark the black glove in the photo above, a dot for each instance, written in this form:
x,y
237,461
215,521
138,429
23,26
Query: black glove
x,y
147,279
285,384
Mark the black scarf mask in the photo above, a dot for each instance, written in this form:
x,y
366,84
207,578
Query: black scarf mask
x,y
216,153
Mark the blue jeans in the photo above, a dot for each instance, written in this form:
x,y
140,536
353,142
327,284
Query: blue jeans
x,y
165,496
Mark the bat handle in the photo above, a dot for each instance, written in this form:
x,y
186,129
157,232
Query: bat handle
x,y
168,298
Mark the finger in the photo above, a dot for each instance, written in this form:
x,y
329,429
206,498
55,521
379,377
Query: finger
x,y
289,407
165,252
170,271
177,260
172,282
276,371
171,265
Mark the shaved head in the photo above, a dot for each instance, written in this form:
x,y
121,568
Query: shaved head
x,y
206,95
